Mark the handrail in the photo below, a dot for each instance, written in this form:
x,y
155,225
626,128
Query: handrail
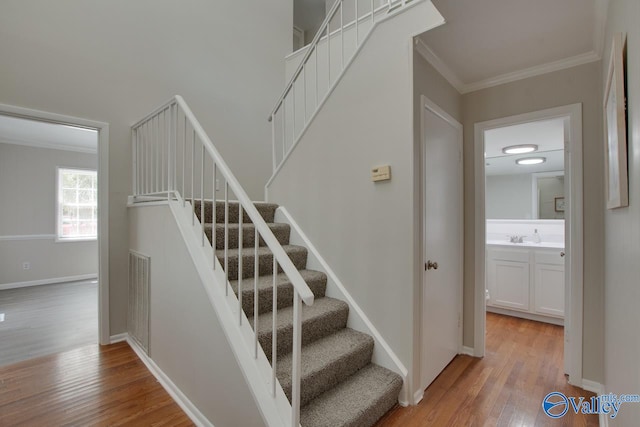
x,y
157,141
310,48
295,112
272,242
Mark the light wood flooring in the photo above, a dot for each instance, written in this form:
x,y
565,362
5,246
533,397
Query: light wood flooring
x,y
88,386
47,319
523,363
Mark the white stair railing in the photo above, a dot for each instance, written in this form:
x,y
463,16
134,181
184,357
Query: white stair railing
x,y
344,30
174,159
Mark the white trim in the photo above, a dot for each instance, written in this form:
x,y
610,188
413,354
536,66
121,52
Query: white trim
x,y
430,56
16,285
593,386
418,396
18,237
574,236
562,64
178,396
467,351
119,338
419,206
383,355
524,315
103,199
49,145
437,63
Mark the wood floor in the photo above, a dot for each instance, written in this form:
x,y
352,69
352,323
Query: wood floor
x,y
47,319
88,386
523,363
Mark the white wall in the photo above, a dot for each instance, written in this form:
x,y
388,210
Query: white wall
x,y
28,208
364,230
508,197
113,61
186,340
622,234
574,85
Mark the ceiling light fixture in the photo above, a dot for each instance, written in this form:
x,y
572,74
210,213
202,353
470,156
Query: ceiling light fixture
x,y
520,149
531,160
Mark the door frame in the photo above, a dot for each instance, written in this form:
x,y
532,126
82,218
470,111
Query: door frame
x,y
427,104
103,200
573,231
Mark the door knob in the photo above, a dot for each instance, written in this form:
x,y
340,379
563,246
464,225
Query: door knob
x,y
562,254
431,265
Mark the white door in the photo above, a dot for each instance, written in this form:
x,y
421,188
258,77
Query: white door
x,y
443,240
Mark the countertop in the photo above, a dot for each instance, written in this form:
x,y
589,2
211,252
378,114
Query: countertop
x,y
542,245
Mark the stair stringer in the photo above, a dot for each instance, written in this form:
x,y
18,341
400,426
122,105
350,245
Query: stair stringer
x,y
256,371
383,355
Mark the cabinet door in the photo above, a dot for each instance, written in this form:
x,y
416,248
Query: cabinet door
x,y
549,289
509,284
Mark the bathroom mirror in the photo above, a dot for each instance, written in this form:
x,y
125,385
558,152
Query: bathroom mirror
x,y
524,168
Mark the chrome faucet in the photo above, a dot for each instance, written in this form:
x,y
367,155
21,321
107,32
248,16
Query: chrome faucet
x,y
516,238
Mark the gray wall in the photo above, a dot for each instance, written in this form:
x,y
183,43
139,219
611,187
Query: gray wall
x,y
548,189
622,234
574,85
508,197
28,194
114,61
186,339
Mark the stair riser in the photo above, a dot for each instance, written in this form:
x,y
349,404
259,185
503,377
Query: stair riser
x,y
331,375
265,264
248,236
312,330
267,211
285,296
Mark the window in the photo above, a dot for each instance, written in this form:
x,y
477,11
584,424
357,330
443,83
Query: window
x,y
77,204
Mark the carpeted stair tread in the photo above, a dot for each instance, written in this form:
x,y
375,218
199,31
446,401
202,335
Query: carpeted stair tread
x,y
281,231
358,401
324,317
316,280
267,210
297,254
326,362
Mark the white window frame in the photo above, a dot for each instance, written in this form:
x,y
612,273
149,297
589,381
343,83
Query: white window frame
x,y
58,206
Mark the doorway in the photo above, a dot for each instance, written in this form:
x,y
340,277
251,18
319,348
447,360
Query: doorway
x,y
442,250
570,203
101,130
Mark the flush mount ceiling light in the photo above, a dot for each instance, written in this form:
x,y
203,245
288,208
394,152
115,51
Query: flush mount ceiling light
x,y
520,149
531,160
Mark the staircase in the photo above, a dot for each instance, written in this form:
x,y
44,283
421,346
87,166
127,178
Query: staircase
x,y
339,386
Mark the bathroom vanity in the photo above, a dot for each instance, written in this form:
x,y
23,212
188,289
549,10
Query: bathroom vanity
x,y
526,280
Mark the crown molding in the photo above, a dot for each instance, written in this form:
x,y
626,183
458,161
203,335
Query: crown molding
x,y
49,145
437,63
538,70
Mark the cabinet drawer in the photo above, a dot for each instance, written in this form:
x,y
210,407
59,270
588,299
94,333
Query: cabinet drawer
x,y
515,255
549,257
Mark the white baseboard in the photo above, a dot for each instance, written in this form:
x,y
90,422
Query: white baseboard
x,y
469,351
593,386
418,396
118,338
17,285
183,402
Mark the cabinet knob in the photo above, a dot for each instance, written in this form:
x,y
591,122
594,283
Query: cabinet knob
x,y
562,254
431,265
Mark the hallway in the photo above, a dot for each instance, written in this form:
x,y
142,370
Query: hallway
x,y
523,363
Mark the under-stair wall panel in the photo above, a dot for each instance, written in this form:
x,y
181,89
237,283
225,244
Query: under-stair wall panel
x,y
186,339
363,229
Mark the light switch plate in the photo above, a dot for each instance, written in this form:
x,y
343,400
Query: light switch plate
x,y
381,173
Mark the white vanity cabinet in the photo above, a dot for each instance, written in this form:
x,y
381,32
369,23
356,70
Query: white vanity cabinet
x,y
508,278
526,281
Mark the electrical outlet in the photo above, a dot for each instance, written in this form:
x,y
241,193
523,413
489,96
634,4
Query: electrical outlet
x,y
26,265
